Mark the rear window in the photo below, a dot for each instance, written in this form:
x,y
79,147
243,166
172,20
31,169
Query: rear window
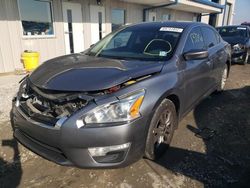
x,y
233,31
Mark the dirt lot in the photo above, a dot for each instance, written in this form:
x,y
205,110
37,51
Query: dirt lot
x,y
220,161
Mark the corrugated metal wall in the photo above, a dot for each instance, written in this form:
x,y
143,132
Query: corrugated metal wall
x,y
5,44
13,44
1,60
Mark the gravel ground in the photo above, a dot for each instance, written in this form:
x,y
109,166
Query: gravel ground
x,y
220,161
8,88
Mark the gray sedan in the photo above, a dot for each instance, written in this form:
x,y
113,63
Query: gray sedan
x,y
122,98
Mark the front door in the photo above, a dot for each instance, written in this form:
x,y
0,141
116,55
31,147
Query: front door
x,y
73,27
97,18
197,72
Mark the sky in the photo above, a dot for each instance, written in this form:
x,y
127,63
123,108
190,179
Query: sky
x,y
241,11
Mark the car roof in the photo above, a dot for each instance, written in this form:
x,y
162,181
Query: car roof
x,y
152,25
228,26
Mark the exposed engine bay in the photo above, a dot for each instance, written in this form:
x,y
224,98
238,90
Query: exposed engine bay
x,y
48,106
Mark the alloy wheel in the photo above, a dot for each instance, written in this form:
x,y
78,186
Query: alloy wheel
x,y
162,131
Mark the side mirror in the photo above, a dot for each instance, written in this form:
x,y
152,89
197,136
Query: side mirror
x,y
195,55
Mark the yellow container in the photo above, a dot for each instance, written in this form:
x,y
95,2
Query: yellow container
x,y
30,60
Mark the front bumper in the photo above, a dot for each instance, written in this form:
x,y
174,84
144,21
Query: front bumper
x,y
68,145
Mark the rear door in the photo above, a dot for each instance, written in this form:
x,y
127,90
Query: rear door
x,y
197,72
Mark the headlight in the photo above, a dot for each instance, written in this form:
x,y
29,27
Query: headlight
x,y
127,108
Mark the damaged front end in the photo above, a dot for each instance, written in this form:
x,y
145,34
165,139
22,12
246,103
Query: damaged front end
x,y
52,107
48,106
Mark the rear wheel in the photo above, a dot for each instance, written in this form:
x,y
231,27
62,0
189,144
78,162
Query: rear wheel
x,y
161,130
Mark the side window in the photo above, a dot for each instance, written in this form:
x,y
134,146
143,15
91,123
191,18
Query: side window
x,y
36,17
117,18
210,37
194,41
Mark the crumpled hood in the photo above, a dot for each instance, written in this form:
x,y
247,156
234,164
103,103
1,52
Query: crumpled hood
x,y
235,40
78,72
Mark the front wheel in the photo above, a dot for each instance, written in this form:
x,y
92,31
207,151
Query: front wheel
x,y
161,130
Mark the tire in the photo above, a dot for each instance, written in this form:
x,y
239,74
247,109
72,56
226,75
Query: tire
x,y
224,75
161,130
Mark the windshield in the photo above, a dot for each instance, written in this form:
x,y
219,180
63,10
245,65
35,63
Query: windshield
x,y
154,44
233,31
